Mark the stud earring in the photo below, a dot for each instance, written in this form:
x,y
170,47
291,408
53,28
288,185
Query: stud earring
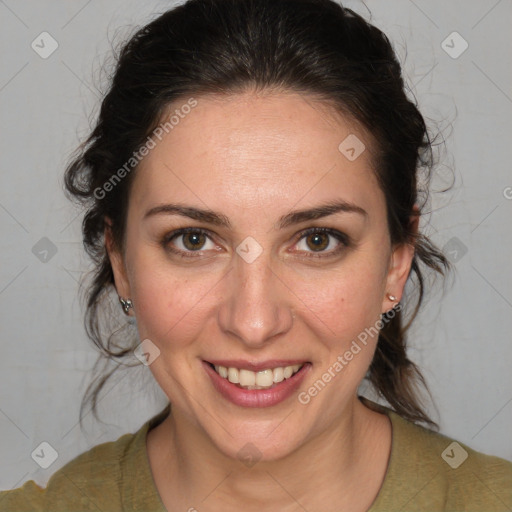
x,y
127,305
395,301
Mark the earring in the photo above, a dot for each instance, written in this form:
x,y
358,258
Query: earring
x,y
127,305
395,301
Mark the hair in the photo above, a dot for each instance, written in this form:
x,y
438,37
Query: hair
x,y
313,47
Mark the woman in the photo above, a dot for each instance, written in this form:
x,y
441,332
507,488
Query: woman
x,y
252,197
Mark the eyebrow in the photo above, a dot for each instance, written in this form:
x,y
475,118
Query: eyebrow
x,y
294,217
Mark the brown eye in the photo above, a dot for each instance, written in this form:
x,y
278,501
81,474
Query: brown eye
x,y
317,241
322,242
188,241
194,241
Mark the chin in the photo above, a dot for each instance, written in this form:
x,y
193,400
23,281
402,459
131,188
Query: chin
x,y
251,448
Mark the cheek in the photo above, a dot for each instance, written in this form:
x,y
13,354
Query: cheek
x,y
342,303
169,304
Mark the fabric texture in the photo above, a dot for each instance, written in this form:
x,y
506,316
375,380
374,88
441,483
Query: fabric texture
x,y
427,471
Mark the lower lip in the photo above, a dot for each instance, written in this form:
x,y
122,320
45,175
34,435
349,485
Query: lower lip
x,y
257,397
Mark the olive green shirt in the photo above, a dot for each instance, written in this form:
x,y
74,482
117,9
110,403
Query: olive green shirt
x,y
426,472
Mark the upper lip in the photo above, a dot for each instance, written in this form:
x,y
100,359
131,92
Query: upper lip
x,y
244,364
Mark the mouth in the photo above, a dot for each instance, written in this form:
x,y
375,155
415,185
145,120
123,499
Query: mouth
x,y
266,378
263,384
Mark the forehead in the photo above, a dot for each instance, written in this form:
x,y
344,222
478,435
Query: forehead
x,y
257,150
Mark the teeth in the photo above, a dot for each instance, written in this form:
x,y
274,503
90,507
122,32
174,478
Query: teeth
x,y
247,378
265,378
288,372
257,380
233,375
278,374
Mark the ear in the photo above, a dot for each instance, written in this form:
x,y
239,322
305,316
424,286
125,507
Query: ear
x,y
116,261
400,265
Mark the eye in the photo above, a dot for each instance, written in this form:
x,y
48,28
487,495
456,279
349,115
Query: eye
x,y
318,242
186,241
325,241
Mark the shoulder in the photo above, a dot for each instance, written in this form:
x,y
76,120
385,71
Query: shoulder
x,y
457,460
87,482
111,476
430,471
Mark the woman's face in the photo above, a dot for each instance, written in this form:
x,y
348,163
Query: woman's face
x,y
258,282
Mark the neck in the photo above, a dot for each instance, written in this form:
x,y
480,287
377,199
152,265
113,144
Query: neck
x,y
345,465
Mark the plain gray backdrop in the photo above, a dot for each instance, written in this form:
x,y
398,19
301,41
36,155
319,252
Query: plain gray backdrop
x,y
462,338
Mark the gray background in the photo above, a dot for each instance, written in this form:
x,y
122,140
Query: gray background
x,y
462,338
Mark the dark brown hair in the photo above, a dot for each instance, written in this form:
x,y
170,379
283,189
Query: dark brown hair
x,y
225,46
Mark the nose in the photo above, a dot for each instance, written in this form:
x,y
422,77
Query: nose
x,y
256,305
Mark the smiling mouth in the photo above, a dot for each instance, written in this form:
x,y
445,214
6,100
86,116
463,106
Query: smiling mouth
x,y
264,379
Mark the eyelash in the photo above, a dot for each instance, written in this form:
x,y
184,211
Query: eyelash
x,y
339,236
